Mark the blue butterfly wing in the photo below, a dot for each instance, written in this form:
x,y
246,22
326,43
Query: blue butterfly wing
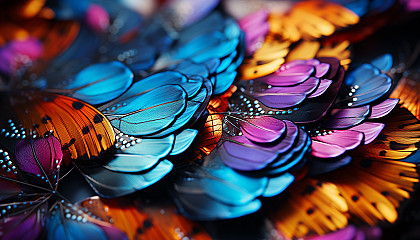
x,y
113,184
158,147
183,140
68,222
101,82
223,81
189,68
193,110
150,112
202,207
131,162
367,83
216,191
383,62
278,184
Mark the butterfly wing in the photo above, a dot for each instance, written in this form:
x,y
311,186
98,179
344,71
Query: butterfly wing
x,y
145,220
81,129
407,91
310,206
18,221
67,221
399,138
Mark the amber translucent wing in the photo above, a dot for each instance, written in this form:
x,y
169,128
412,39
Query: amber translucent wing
x,y
316,49
373,189
211,133
311,207
219,103
265,60
408,91
311,20
145,222
399,139
368,190
81,129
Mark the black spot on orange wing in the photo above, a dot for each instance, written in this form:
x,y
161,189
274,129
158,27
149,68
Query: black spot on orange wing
x,y
398,146
308,190
45,119
69,144
385,193
78,105
310,211
98,118
147,224
355,198
85,130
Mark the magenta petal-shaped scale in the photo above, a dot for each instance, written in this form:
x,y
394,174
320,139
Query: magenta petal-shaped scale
x,y
239,163
306,87
240,153
326,150
240,146
347,233
280,100
383,108
255,27
346,139
371,130
294,63
321,69
288,77
253,19
323,86
263,129
253,39
345,118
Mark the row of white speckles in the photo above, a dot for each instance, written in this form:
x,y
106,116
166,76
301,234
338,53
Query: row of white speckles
x,y
125,141
6,163
320,132
254,108
353,90
14,131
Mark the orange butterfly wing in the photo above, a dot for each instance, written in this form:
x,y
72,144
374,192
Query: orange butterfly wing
x,y
145,222
408,91
373,189
399,139
81,129
311,207
366,189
